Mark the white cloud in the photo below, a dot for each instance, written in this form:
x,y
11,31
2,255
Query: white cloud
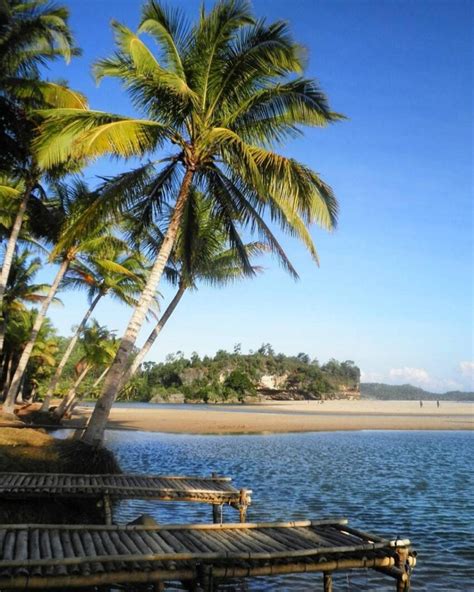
x,y
462,380
467,368
417,376
421,377
370,376
467,372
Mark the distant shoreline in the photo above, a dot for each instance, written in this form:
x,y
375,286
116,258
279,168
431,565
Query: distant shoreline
x,y
294,416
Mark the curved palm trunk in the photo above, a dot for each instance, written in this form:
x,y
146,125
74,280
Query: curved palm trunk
x,y
67,354
95,429
71,395
153,335
9,252
76,400
101,377
9,403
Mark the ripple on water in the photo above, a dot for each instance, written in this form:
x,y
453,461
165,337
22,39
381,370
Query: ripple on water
x,y
415,484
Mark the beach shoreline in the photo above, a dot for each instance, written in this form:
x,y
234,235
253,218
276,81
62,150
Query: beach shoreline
x,y
292,416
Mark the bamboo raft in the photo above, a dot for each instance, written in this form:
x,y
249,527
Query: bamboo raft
x,y
59,556
211,490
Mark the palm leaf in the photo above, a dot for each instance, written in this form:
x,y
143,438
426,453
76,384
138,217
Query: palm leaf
x,y
170,31
83,134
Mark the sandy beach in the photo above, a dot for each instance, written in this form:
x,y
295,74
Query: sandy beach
x,y
291,416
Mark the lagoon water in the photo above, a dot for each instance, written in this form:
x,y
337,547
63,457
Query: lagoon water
x,y
418,485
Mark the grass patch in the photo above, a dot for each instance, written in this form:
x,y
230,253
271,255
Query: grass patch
x,y
34,451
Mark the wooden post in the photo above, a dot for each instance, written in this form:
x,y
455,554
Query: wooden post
x,y
401,585
243,505
327,581
206,578
215,508
403,582
107,510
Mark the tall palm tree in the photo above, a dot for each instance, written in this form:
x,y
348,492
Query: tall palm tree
x,y
99,349
201,254
97,245
121,276
219,95
32,34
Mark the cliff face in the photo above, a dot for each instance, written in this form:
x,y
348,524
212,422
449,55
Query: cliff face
x,y
279,388
235,376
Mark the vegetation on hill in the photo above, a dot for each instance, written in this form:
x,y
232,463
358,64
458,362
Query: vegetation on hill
x,y
407,392
234,376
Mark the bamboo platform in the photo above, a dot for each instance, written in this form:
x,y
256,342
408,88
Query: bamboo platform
x,y
211,490
60,556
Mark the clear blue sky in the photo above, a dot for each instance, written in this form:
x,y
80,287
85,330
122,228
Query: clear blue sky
x,y
394,290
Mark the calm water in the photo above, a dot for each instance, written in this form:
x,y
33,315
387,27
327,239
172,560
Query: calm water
x,y
411,484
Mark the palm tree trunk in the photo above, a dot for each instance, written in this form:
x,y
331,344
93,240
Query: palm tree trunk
x,y
21,390
94,433
76,400
3,329
63,406
153,335
71,395
59,370
9,252
101,377
9,403
8,375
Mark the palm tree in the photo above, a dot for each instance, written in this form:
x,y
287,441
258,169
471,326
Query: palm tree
x,y
42,360
201,254
99,349
20,291
18,331
32,33
121,276
220,94
97,244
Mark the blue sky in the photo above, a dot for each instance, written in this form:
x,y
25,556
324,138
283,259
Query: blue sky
x,y
394,290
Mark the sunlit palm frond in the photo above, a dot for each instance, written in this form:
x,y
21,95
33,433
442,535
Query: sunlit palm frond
x,y
85,134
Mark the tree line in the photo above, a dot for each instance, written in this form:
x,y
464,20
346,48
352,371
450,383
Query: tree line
x,y
213,100
237,377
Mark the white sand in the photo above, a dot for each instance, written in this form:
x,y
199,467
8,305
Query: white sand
x,y
297,416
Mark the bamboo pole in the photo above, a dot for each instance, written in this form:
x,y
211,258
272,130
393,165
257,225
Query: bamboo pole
x,y
219,572
107,510
185,555
216,519
122,475
327,581
225,526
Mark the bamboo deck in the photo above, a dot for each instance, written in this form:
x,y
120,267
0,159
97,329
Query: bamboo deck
x,y
58,556
211,490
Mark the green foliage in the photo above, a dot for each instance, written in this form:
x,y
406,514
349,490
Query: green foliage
x,y
232,376
239,383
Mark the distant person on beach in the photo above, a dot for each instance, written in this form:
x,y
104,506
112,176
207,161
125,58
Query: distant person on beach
x,y
421,404
437,404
